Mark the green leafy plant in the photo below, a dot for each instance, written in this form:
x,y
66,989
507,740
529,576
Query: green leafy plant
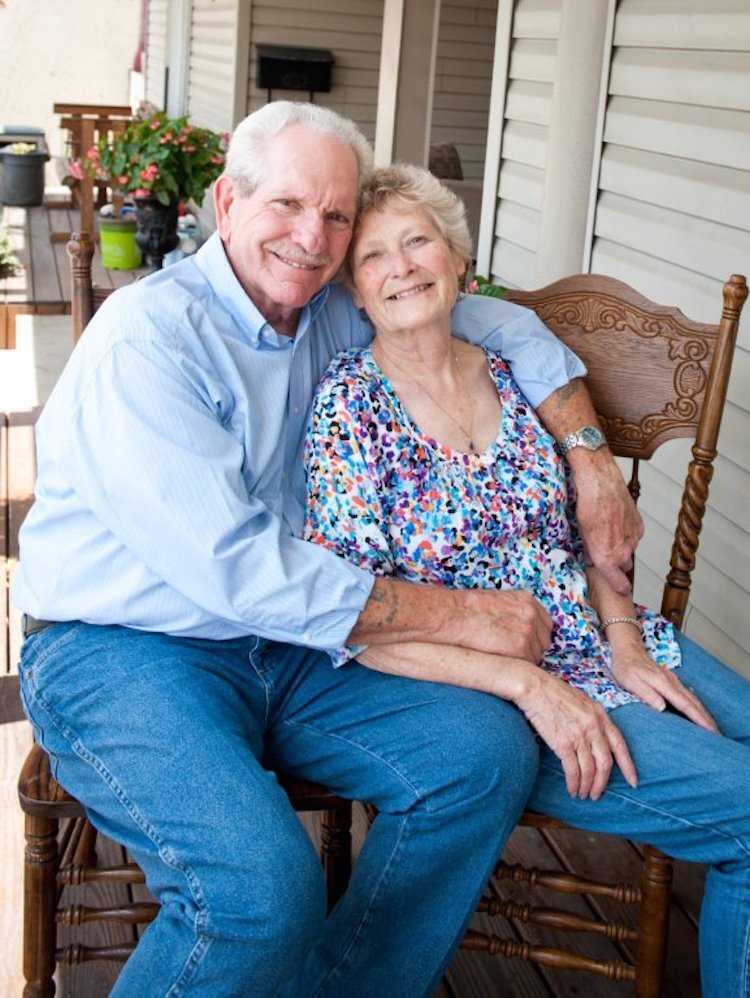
x,y
479,285
156,156
9,262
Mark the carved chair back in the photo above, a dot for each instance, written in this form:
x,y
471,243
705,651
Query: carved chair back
x,y
653,375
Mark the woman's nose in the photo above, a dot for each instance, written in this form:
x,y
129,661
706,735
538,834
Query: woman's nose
x,y
400,263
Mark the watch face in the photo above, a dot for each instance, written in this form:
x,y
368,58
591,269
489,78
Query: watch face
x,y
591,438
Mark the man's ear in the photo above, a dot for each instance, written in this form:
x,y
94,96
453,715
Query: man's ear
x,y
224,195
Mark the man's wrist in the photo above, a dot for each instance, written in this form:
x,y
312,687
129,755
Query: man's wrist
x,y
589,437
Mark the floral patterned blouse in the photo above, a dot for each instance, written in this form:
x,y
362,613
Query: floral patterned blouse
x,y
393,500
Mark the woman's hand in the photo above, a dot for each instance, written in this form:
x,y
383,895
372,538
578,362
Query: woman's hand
x,y
579,732
655,686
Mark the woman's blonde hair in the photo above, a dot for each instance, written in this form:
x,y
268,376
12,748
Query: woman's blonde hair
x,y
417,187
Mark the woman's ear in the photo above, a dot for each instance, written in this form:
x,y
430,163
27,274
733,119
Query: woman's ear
x,y
356,297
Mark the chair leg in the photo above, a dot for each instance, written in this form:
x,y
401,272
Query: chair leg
x,y
336,848
653,924
40,904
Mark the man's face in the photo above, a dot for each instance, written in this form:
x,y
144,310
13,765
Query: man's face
x,y
290,236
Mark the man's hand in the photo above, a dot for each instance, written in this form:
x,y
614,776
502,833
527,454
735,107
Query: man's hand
x,y
510,622
608,520
579,732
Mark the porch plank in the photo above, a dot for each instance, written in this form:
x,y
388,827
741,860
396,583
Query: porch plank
x,y
46,279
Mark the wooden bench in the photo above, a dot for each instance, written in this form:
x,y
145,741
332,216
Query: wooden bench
x,y
86,124
17,475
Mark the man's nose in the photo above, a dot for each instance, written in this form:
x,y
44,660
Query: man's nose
x,y
311,233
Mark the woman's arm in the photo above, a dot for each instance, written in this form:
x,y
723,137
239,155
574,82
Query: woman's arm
x,y
632,667
576,728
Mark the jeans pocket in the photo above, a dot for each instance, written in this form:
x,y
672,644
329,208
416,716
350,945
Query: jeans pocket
x,y
41,663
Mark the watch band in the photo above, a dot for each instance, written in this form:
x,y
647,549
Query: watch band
x,y
588,437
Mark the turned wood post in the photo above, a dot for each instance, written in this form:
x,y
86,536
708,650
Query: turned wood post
x,y
336,850
81,251
40,904
700,470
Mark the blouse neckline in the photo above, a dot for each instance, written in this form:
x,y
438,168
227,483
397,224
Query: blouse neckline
x,y
462,457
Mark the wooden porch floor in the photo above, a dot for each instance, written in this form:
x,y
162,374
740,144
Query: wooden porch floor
x,y
38,237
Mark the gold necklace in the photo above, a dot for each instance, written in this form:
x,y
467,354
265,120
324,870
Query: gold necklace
x,y
468,434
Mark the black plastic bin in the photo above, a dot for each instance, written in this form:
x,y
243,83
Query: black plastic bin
x,y
22,174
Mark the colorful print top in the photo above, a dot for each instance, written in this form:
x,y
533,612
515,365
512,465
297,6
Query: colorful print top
x,y
395,501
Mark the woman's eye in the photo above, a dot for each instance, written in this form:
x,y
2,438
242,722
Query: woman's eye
x,y
417,240
368,257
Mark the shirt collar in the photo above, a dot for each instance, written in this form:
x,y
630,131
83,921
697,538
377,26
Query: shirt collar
x,y
212,260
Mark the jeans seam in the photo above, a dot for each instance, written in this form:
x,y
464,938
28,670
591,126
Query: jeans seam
x,y
346,956
644,806
164,850
198,952
420,796
263,677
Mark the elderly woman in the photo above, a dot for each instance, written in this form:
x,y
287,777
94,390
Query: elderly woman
x,y
424,461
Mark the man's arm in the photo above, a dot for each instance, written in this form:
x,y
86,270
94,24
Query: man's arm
x,y
550,375
507,622
608,520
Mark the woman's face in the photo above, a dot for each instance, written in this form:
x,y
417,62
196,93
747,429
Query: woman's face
x,y
405,275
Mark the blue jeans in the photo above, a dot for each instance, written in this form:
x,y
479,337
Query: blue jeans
x,y
692,801
169,743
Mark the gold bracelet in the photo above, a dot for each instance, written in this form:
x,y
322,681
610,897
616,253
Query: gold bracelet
x,y
618,620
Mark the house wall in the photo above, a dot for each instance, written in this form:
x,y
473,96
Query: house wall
x,y
351,29
669,213
211,64
531,46
82,53
463,74
156,52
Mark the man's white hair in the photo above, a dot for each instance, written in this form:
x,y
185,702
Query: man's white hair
x,y
246,156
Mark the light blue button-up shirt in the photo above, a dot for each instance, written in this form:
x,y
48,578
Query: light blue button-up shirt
x,y
170,487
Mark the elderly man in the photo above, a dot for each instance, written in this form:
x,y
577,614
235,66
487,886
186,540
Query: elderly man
x,y
176,626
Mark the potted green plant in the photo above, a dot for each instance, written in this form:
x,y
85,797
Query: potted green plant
x,y
158,162
10,265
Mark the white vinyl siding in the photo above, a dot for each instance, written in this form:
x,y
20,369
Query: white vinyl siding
x,y
211,64
672,218
463,75
156,52
526,115
350,29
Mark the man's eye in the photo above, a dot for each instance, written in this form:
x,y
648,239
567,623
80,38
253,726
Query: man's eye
x,y
284,203
339,219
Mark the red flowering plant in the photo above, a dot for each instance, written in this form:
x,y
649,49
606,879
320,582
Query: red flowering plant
x,y
156,156
479,285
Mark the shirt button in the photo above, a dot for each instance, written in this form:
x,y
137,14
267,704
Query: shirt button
x,y
306,636
295,410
